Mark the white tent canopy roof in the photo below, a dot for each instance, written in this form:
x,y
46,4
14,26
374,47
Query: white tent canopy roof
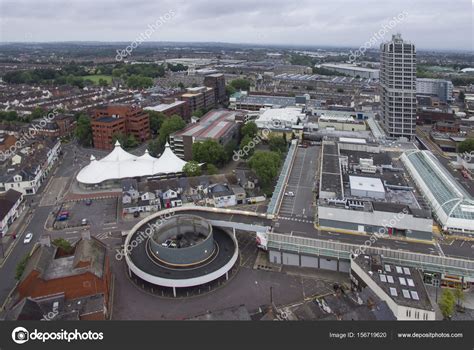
x,y
120,164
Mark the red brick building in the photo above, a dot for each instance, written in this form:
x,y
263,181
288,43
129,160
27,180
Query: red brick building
x,y
83,274
119,119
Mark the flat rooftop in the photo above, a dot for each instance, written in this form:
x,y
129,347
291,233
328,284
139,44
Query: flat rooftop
x,y
213,124
164,106
403,284
389,178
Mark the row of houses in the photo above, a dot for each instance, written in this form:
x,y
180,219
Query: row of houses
x,y
11,207
29,166
217,191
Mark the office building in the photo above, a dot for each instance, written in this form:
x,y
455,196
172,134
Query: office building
x,y
112,120
398,85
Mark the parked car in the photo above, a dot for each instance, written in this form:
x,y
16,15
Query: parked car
x,y
84,222
136,214
289,194
28,238
88,201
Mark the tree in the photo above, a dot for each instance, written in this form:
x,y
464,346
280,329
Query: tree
x,y
266,166
209,151
156,120
466,146
447,302
20,268
169,126
277,144
211,169
199,113
64,245
121,138
229,149
247,150
37,113
459,295
154,147
462,96
230,90
192,168
249,129
131,142
139,82
240,84
103,82
83,130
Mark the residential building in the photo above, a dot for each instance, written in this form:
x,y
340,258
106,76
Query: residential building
x,y
443,89
221,195
6,141
11,206
199,98
27,170
216,82
218,125
119,119
402,288
398,85
60,126
352,70
84,272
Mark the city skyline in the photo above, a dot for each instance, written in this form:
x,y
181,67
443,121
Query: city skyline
x,y
281,23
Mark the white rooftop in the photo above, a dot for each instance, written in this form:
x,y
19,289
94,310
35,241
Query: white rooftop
x,y
282,114
366,184
352,140
120,164
163,106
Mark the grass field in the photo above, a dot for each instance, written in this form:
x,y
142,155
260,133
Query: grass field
x,y
95,78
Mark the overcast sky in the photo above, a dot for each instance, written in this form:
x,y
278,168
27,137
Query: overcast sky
x,y
438,24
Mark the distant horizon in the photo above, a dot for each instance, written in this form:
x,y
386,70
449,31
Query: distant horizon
x,y
217,43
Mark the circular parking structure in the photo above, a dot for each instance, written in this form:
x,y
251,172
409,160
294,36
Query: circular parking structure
x,y
179,252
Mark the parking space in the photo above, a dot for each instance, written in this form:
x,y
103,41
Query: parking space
x,y
297,203
248,248
99,213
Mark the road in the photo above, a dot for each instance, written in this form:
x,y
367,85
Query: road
x,y
301,184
